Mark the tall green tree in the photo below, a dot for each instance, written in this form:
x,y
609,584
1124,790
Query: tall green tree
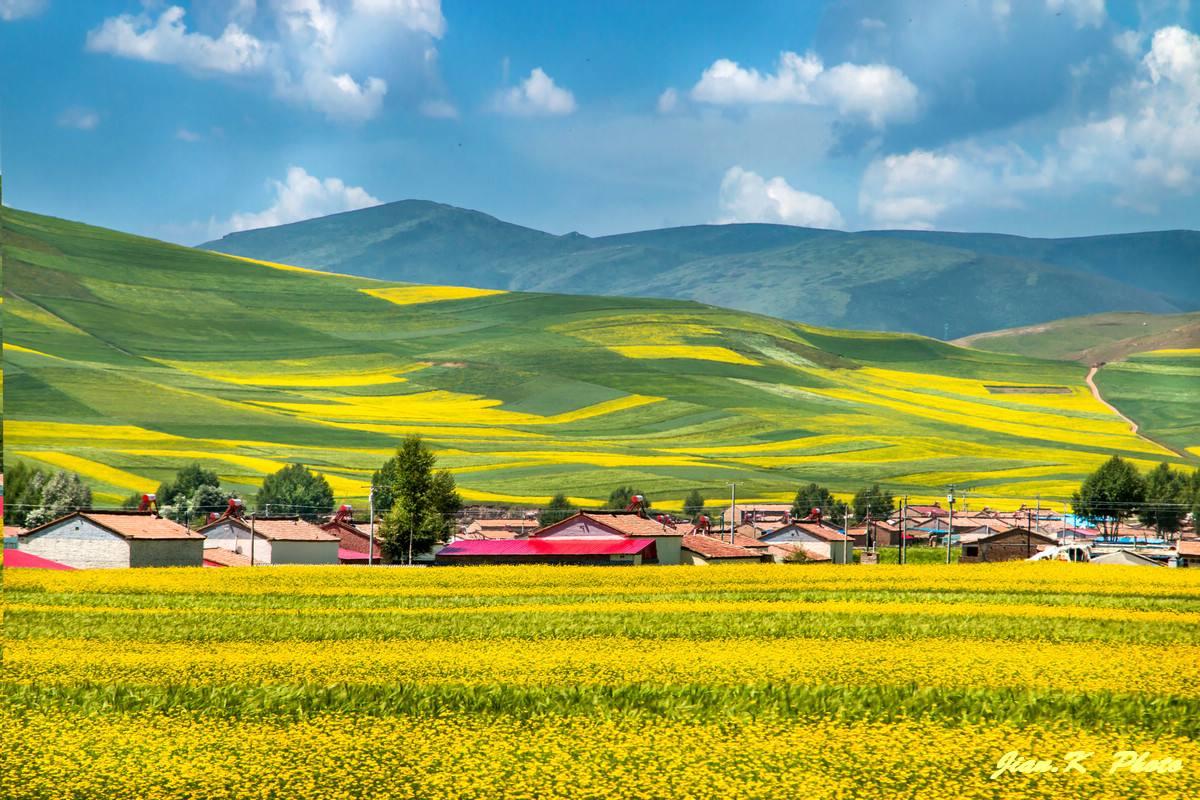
x,y
558,509
693,505
62,493
1110,494
22,492
187,480
295,491
1165,506
873,500
622,496
815,496
420,504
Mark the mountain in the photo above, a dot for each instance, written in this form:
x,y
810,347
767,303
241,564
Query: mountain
x,y
126,358
911,281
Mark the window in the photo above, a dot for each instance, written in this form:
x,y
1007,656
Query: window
x,y
971,551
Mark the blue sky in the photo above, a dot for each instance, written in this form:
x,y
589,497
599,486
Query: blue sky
x,y
1038,117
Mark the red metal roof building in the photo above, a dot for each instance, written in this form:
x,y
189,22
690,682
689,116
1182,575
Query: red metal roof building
x,y
622,550
16,559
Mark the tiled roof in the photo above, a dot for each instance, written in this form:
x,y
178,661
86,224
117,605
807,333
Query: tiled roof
x,y
821,532
712,547
221,557
283,530
132,525
785,549
1189,548
632,524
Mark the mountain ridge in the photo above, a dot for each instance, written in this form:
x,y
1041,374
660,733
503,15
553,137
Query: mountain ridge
x,y
926,282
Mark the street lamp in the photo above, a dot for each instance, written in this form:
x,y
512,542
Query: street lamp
x,y
950,524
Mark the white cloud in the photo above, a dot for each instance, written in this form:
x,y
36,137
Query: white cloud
x,y
302,196
328,55
418,15
537,95
79,118
728,83
876,93
1145,146
667,101
439,109
189,136
19,9
167,41
1087,13
747,197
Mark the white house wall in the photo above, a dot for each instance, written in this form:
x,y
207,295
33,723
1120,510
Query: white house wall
x,y
79,543
231,537
166,552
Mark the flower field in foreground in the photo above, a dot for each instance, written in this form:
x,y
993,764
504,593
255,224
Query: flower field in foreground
x,y
740,681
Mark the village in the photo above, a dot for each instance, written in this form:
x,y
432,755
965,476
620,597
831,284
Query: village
x,y
632,536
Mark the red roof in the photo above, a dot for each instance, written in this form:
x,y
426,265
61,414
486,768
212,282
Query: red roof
x,y
711,547
932,511
545,547
127,524
352,555
1188,548
17,559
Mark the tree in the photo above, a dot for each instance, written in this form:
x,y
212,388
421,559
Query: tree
x,y
296,490
1108,495
693,505
1195,498
62,493
420,504
814,496
558,509
622,496
875,501
185,484
1166,503
22,492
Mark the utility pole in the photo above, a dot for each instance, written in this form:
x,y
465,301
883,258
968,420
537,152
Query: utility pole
x,y
371,517
950,526
732,510
902,553
252,540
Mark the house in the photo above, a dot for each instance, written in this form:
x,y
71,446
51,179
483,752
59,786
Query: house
x,y
884,534
354,543
816,536
1189,553
507,528
702,549
277,540
1126,558
765,516
1011,545
586,537
111,539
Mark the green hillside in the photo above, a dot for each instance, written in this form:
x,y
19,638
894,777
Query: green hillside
x,y
1094,339
919,282
126,357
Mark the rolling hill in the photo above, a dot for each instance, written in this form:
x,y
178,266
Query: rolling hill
x,y
1149,364
127,357
911,281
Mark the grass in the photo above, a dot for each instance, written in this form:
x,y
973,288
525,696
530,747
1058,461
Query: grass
x,y
126,358
554,680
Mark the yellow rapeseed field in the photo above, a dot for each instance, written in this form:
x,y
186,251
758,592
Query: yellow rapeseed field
x,y
757,681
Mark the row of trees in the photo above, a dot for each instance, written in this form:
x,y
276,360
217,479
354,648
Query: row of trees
x,y
1161,498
